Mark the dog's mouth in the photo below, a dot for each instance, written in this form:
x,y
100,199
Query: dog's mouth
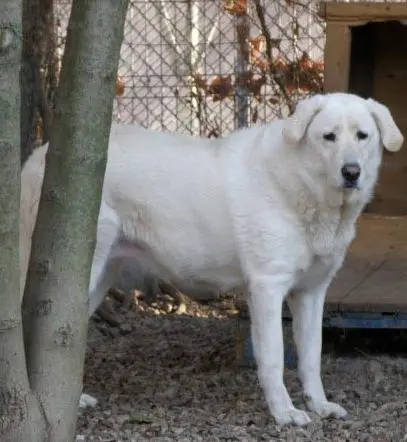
x,y
350,185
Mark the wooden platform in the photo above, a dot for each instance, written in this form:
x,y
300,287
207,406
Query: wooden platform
x,y
374,276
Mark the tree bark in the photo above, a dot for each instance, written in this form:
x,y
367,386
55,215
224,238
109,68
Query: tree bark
x,y
38,72
56,293
20,416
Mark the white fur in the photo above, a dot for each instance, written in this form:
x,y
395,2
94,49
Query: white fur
x,y
32,175
263,209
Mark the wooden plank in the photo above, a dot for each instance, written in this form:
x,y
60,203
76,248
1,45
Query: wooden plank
x,y
337,58
358,13
381,243
384,291
350,276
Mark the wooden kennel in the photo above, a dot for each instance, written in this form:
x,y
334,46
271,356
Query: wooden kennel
x,y
366,54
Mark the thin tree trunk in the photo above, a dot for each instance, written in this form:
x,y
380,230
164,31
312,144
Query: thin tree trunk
x,y
56,293
20,417
242,72
194,17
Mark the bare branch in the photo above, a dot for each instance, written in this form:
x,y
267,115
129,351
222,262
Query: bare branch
x,y
170,26
269,47
211,36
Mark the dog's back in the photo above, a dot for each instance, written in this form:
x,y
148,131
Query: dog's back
x,y
170,189
32,176
145,183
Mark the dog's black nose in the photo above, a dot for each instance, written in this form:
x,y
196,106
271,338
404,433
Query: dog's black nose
x,y
351,172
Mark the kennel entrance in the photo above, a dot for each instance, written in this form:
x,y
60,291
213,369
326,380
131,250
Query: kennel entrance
x,y
366,54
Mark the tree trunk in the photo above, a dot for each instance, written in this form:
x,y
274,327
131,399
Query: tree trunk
x,y
18,407
56,293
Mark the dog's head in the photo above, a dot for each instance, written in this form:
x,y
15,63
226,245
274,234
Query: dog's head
x,y
343,135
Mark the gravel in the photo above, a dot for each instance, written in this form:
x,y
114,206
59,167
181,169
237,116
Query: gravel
x,y
173,373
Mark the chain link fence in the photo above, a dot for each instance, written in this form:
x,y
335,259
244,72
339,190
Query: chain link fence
x,y
207,67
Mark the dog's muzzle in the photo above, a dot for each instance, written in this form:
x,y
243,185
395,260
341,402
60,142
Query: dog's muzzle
x,y
350,173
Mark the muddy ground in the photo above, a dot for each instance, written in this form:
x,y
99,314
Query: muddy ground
x,y
175,375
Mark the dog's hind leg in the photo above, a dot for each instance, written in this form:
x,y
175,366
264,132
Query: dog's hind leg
x,y
108,232
103,272
307,312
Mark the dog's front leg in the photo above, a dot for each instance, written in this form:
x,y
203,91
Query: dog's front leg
x,y
265,303
307,312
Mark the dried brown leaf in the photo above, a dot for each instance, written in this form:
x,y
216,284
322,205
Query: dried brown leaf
x,y
237,8
220,87
119,86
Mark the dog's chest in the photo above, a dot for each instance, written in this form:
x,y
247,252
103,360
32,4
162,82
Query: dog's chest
x,y
328,232
318,270
323,239
326,244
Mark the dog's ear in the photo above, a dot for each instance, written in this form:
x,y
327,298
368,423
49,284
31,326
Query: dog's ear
x,y
297,124
392,138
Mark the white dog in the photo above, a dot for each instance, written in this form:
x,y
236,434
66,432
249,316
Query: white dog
x,y
270,210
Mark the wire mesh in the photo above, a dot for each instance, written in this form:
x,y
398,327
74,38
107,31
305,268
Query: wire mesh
x,y
207,67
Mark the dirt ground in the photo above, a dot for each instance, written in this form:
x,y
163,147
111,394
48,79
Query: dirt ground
x,y
168,375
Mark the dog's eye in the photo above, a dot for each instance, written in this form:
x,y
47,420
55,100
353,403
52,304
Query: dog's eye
x,y
329,136
361,135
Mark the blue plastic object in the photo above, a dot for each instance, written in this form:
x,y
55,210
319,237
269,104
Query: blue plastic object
x,y
345,321
366,320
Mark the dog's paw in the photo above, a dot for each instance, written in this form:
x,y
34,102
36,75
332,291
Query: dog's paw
x,y
86,401
327,409
292,416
